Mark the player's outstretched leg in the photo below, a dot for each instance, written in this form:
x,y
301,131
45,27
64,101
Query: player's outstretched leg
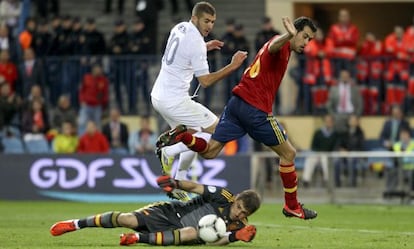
x,y
105,220
300,212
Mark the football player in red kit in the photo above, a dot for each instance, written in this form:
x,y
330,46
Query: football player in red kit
x,y
250,110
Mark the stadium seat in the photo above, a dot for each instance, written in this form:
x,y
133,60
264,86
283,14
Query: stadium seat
x,y
12,145
35,146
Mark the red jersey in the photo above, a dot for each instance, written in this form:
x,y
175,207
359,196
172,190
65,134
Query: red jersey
x,y
94,90
95,143
9,71
261,80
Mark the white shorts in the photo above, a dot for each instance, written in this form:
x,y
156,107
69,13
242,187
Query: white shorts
x,y
188,112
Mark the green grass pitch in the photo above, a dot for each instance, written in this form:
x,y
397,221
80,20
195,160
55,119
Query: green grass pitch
x,y
26,225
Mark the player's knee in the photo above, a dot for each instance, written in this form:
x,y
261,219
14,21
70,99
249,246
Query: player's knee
x,y
128,220
289,155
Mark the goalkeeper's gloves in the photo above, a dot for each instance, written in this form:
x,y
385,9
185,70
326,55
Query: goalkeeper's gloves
x,y
245,234
167,183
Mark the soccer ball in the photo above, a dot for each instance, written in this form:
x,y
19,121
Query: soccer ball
x,y
211,228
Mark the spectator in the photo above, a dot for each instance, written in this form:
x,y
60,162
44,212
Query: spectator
x,y
369,74
119,65
405,144
61,44
4,37
228,49
148,11
120,39
267,31
139,40
318,75
325,139
409,41
8,42
396,72
93,41
143,140
35,93
392,127
42,39
35,121
239,42
345,36
63,113
116,132
75,36
30,73
5,40
56,31
10,106
93,97
67,140
108,6
344,99
354,141
8,70
10,11
93,141
139,44
26,36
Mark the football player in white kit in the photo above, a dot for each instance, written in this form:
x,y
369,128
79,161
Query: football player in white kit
x,y
185,56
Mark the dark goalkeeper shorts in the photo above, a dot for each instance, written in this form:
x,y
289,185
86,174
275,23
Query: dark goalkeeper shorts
x,y
239,118
156,218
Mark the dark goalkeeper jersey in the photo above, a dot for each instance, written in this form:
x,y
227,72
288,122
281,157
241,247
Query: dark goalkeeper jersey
x,y
214,200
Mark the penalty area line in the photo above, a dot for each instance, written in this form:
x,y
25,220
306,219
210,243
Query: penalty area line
x,y
332,229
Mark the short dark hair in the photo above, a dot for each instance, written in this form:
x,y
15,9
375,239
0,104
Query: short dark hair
x,y
251,200
303,21
203,7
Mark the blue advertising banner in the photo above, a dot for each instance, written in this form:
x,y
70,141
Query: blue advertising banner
x,y
107,178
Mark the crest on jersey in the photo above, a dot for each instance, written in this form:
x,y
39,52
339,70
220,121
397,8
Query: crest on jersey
x,y
212,189
182,28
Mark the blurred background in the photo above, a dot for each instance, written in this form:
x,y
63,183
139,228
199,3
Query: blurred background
x,y
58,139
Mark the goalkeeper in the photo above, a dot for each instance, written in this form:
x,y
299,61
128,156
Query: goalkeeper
x,y
174,222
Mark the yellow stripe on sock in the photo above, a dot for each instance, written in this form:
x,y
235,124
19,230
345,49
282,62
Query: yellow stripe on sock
x,y
193,141
114,219
287,169
158,238
176,237
98,220
290,190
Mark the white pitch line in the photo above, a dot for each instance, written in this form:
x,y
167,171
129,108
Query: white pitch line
x,y
331,229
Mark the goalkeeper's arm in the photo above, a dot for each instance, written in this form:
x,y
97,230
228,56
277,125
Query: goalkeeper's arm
x,y
168,184
245,234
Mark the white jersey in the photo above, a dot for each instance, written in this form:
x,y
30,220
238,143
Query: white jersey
x,y
185,56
